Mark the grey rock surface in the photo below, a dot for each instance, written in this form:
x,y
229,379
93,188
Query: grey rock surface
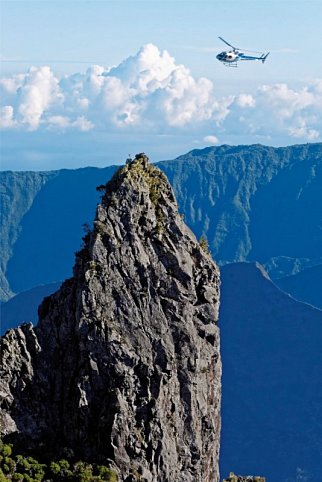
x,y
124,366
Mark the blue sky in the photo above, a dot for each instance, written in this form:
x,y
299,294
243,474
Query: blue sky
x,y
167,93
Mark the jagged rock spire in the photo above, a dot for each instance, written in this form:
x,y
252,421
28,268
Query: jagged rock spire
x,y
124,365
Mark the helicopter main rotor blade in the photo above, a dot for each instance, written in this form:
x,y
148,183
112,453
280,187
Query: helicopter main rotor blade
x,y
229,45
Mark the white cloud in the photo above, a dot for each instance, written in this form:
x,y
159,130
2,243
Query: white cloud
x,y
82,124
10,85
39,91
151,93
6,117
211,139
302,131
245,100
295,111
147,89
60,122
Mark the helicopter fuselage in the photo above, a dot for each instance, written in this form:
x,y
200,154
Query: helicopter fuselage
x,y
230,56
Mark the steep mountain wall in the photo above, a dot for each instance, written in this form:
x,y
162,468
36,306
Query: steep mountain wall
x,y
254,203
17,194
272,389
49,231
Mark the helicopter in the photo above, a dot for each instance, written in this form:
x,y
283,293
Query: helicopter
x,y
231,57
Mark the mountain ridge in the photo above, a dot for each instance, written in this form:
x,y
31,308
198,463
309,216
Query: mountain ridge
x,y
304,286
223,195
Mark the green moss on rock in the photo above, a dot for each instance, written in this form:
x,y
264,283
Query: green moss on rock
x,y
241,478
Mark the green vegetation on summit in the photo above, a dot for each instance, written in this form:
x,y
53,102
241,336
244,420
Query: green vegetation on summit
x,y
239,478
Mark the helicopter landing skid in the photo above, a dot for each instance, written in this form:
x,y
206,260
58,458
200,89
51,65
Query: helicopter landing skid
x,y
230,64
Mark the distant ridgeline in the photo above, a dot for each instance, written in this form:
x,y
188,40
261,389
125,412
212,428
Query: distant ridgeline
x,y
252,203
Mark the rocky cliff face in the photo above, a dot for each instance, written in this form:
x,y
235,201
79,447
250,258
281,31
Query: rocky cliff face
x,y
124,365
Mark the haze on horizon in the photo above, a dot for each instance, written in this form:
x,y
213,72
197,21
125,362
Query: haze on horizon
x,y
126,76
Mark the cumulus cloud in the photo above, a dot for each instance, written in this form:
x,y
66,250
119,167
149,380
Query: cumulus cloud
x,y
149,89
38,93
211,139
63,122
6,116
245,100
150,92
297,112
32,94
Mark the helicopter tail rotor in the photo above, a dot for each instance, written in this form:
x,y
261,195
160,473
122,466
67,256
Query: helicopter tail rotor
x,y
264,57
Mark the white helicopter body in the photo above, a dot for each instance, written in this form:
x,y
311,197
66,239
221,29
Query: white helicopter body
x,y
231,57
